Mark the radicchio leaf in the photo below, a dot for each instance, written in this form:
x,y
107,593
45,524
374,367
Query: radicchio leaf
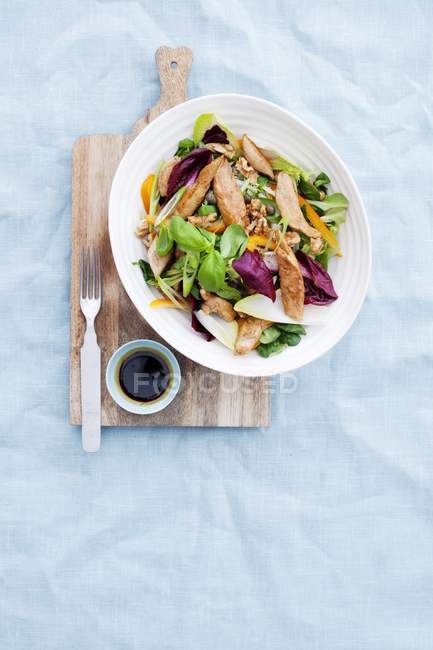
x,y
319,289
254,272
215,134
195,323
185,172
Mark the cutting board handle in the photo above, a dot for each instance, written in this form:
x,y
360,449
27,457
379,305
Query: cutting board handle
x,y
173,66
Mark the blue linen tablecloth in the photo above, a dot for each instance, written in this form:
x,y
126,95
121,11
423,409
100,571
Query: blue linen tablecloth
x,y
314,534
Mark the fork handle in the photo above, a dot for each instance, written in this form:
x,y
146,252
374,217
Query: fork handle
x,y
90,362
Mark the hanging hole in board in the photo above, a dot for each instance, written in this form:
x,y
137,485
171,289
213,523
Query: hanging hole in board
x,y
173,64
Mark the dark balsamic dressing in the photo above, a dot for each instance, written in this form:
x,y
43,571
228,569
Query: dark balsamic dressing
x,y
144,376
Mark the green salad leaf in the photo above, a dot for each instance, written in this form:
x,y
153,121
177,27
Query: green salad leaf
x,y
185,146
308,190
268,349
291,328
322,181
190,268
229,293
270,334
334,208
207,208
212,271
233,241
289,339
278,336
283,165
147,272
203,123
164,242
332,201
187,236
206,121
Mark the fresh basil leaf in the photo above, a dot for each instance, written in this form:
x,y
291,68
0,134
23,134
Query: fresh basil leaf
x,y
308,190
164,242
185,146
210,236
212,271
290,328
190,268
270,334
233,241
187,236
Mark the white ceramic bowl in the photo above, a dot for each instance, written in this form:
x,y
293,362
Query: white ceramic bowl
x,y
273,127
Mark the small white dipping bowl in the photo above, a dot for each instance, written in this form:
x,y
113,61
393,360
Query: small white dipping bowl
x,y
113,384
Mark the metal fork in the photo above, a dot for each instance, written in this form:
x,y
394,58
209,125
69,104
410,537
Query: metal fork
x,y
90,353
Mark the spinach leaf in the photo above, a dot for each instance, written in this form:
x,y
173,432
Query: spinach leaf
x,y
147,272
308,190
233,241
289,338
164,243
270,334
268,349
187,236
185,146
322,181
212,271
291,328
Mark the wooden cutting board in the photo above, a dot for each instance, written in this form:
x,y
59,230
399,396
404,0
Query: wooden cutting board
x,y
207,398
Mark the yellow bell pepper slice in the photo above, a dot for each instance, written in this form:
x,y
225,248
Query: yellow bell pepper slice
x,y
319,225
162,302
260,240
146,188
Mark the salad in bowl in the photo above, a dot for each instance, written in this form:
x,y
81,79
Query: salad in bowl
x,y
240,237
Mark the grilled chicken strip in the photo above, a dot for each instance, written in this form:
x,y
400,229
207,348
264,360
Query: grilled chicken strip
x,y
291,282
229,198
287,202
256,158
249,332
164,174
215,305
157,263
194,195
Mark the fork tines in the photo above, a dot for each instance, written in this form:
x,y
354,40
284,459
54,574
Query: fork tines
x,y
90,274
